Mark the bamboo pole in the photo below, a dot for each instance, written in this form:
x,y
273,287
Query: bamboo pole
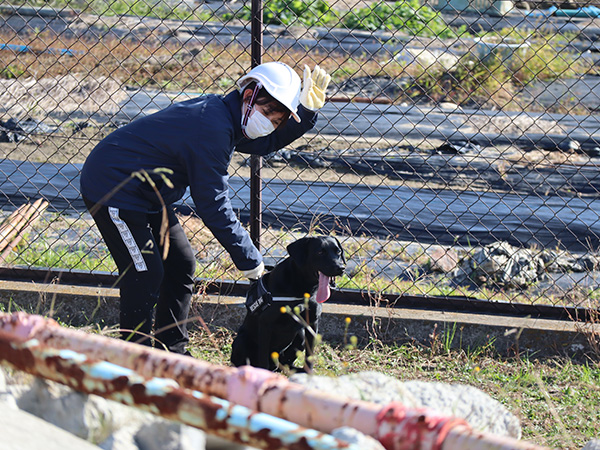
x,y
5,222
12,223
394,425
38,209
16,225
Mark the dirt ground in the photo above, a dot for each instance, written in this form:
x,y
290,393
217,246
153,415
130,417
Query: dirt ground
x,y
73,142
73,148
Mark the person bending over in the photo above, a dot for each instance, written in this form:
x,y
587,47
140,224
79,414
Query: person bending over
x,y
131,179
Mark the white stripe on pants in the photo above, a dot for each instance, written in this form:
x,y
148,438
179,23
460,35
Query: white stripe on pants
x,y
128,240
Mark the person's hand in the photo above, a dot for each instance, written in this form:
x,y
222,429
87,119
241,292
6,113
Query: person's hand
x,y
256,273
314,86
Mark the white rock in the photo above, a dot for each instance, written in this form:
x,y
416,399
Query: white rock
x,y
360,440
502,264
449,106
114,425
90,417
481,411
164,435
20,430
426,59
592,445
369,386
217,443
7,399
122,439
158,434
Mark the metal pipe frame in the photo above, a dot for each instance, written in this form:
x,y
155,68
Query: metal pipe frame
x,y
395,426
163,397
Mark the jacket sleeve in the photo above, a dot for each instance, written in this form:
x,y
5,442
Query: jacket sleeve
x,y
210,191
280,137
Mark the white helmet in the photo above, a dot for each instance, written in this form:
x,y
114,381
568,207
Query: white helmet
x,y
279,80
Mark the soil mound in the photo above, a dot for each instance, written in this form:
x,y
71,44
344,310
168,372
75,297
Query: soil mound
x,y
59,96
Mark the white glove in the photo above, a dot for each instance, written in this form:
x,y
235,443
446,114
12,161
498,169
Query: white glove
x,y
256,273
313,88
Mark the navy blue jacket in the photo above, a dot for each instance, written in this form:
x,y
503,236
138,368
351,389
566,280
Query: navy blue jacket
x,y
195,139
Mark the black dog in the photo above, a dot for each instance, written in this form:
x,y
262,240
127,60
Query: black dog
x,y
307,270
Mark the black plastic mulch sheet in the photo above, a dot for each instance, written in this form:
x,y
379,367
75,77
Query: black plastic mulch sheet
x,y
424,215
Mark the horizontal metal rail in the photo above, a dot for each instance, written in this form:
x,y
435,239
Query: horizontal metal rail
x,y
340,296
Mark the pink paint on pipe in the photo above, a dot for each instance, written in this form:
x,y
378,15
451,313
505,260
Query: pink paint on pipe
x,y
247,384
23,325
420,427
188,372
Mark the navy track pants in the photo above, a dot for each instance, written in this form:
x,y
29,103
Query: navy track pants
x,y
149,286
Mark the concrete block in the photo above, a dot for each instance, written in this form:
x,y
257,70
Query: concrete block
x,y
23,431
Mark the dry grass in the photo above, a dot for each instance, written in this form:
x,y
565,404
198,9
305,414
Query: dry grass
x,y
150,62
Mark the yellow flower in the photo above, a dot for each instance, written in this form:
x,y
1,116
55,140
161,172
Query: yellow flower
x,y
275,356
282,309
348,320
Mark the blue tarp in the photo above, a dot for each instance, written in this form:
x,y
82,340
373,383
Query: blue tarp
x,y
26,48
585,11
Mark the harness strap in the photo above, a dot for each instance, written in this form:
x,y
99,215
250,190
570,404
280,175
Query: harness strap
x,y
258,298
287,299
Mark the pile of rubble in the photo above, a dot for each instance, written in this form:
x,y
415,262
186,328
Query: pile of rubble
x,y
503,265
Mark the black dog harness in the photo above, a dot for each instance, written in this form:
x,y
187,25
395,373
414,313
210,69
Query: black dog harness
x,y
258,299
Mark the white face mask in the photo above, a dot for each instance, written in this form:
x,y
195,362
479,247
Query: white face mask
x,y
258,126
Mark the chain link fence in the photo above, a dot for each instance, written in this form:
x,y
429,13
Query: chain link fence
x,y
456,155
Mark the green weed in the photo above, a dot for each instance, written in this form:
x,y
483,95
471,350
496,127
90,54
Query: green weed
x,y
295,12
12,71
43,254
408,16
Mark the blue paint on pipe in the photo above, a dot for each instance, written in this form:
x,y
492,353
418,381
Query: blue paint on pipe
x,y
109,371
160,386
70,354
26,48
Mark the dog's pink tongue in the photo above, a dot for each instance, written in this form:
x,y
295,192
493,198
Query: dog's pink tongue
x,y
323,292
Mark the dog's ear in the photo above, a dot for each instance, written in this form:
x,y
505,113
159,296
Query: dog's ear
x,y
298,251
341,249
